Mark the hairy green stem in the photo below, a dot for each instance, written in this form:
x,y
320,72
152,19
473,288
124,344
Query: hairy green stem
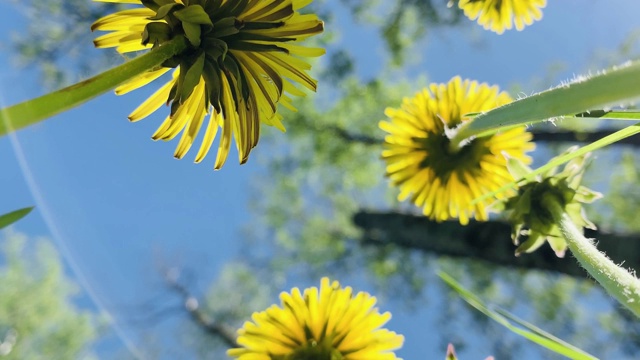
x,y
616,280
27,113
608,88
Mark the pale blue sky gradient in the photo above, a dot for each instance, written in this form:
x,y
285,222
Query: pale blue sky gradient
x,y
123,207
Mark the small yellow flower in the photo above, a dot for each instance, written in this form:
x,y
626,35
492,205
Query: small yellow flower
x,y
326,324
241,63
442,179
498,15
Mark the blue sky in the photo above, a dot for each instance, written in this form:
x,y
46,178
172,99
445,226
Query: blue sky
x,y
119,207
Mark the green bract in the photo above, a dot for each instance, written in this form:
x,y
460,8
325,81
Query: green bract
x,y
529,212
212,27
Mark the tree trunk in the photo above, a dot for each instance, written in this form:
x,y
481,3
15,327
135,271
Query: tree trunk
x,y
488,241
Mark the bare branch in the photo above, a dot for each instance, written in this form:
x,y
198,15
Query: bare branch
x,y
222,331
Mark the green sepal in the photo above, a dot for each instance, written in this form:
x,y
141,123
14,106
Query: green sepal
x,y
232,67
215,48
261,25
249,36
192,78
193,14
557,242
532,244
531,207
225,27
249,46
156,33
192,32
586,195
164,10
211,75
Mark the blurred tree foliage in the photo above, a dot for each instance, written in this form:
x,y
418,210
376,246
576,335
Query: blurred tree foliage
x,y
403,22
330,169
327,168
38,317
57,42
229,301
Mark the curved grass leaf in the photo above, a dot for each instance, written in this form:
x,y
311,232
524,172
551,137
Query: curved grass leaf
x,y
610,87
607,140
524,329
9,218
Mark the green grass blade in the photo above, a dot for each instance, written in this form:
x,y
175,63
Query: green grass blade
x,y
607,140
18,116
9,218
623,115
529,332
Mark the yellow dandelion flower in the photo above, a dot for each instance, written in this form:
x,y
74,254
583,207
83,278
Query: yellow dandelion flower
x,y
498,15
329,323
442,179
240,64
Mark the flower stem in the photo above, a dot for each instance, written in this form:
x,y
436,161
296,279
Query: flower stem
x,y
27,113
617,281
608,88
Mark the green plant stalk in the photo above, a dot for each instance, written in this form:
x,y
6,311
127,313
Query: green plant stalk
x,y
616,280
609,88
27,113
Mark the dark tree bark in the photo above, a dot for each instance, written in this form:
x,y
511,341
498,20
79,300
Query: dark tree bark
x,y
488,241
582,137
538,136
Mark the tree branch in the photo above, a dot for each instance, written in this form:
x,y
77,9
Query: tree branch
x,y
217,329
488,241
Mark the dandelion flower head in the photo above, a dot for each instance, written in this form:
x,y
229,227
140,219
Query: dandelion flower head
x,y
330,323
442,179
500,15
241,63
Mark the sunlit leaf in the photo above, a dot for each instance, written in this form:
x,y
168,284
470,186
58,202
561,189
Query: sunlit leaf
x,y
9,218
608,88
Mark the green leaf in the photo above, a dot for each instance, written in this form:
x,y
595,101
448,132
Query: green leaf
x,y
607,140
611,87
29,112
529,332
10,218
192,78
163,11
